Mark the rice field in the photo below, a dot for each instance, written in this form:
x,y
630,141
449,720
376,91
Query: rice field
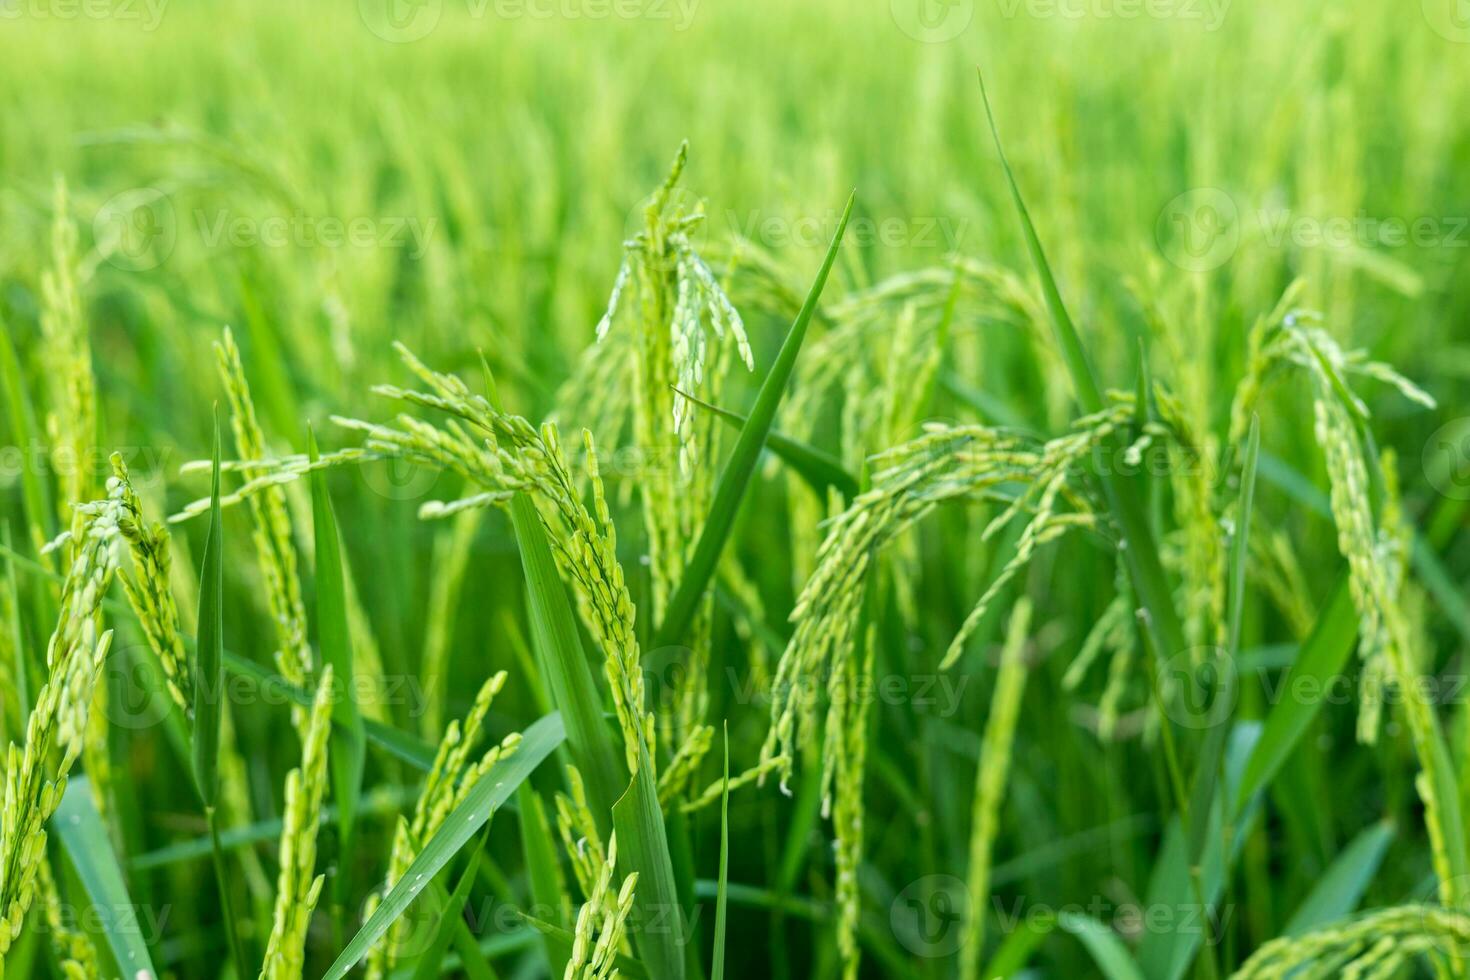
x,y
673,489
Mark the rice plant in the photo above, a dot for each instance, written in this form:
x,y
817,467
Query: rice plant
x,y
482,495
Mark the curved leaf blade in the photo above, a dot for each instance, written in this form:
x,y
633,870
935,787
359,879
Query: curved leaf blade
x,y
85,840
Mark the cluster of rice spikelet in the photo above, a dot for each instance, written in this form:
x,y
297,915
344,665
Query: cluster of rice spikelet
x,y
601,922
450,778
298,887
1370,535
664,303
35,776
271,523
1376,946
74,950
149,590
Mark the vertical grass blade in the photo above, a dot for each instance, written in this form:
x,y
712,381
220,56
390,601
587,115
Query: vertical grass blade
x,y
573,691
717,967
539,849
85,840
1141,554
349,742
1206,778
741,466
209,648
482,800
644,844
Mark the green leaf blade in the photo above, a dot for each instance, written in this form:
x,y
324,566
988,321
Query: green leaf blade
x,y
349,741
486,796
85,840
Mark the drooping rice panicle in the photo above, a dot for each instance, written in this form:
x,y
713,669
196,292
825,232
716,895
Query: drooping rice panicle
x,y
991,775
1372,539
454,771
847,733
298,887
35,774
908,481
1413,931
664,302
504,453
275,547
